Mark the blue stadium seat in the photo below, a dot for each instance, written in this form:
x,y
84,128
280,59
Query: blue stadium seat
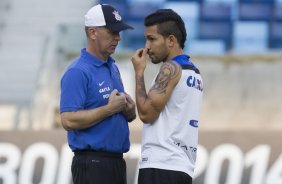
x,y
257,1
222,1
255,11
221,30
190,10
215,12
275,35
250,36
138,11
277,13
199,1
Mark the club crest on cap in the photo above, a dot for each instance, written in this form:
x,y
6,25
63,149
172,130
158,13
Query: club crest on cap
x,y
117,16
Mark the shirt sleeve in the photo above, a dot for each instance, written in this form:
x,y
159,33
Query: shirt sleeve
x,y
73,90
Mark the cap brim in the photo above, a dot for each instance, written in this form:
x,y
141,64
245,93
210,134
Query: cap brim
x,y
119,27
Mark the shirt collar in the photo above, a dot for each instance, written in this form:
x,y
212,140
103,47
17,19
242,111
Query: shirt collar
x,y
91,59
182,59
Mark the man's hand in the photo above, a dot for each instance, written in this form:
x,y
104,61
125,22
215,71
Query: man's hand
x,y
117,101
139,60
129,110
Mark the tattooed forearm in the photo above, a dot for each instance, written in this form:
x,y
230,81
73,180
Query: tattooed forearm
x,y
141,94
140,87
168,71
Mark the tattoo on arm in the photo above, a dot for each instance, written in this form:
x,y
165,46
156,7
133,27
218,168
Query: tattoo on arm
x,y
140,86
168,71
141,93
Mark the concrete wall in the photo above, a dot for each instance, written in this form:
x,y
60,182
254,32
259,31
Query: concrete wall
x,y
237,95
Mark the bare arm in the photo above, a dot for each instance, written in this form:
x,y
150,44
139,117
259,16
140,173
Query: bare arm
x,y
86,118
150,105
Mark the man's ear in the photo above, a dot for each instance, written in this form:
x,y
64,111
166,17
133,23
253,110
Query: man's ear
x,y
171,40
93,33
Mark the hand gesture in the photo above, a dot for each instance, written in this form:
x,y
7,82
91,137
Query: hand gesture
x,y
129,110
139,60
117,101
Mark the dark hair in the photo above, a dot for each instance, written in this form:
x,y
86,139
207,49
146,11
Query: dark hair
x,y
168,23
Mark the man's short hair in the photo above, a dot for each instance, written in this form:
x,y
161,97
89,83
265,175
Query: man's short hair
x,y
168,23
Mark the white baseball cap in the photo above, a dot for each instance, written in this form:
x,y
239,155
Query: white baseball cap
x,y
105,15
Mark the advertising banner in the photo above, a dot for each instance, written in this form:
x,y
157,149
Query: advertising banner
x,y
224,157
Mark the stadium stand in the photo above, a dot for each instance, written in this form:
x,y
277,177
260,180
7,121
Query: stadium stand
x,y
207,21
26,37
35,33
216,23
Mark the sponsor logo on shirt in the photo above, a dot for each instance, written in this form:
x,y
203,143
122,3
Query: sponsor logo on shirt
x,y
144,159
194,123
103,90
101,83
195,83
186,147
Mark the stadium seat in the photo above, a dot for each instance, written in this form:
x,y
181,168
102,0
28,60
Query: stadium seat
x,y
250,37
257,1
139,11
190,10
216,22
215,12
215,30
222,1
277,13
255,11
275,35
199,1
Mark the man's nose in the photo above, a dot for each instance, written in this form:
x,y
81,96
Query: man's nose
x,y
117,36
147,45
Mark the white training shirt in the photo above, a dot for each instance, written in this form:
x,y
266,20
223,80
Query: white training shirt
x,y
171,141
